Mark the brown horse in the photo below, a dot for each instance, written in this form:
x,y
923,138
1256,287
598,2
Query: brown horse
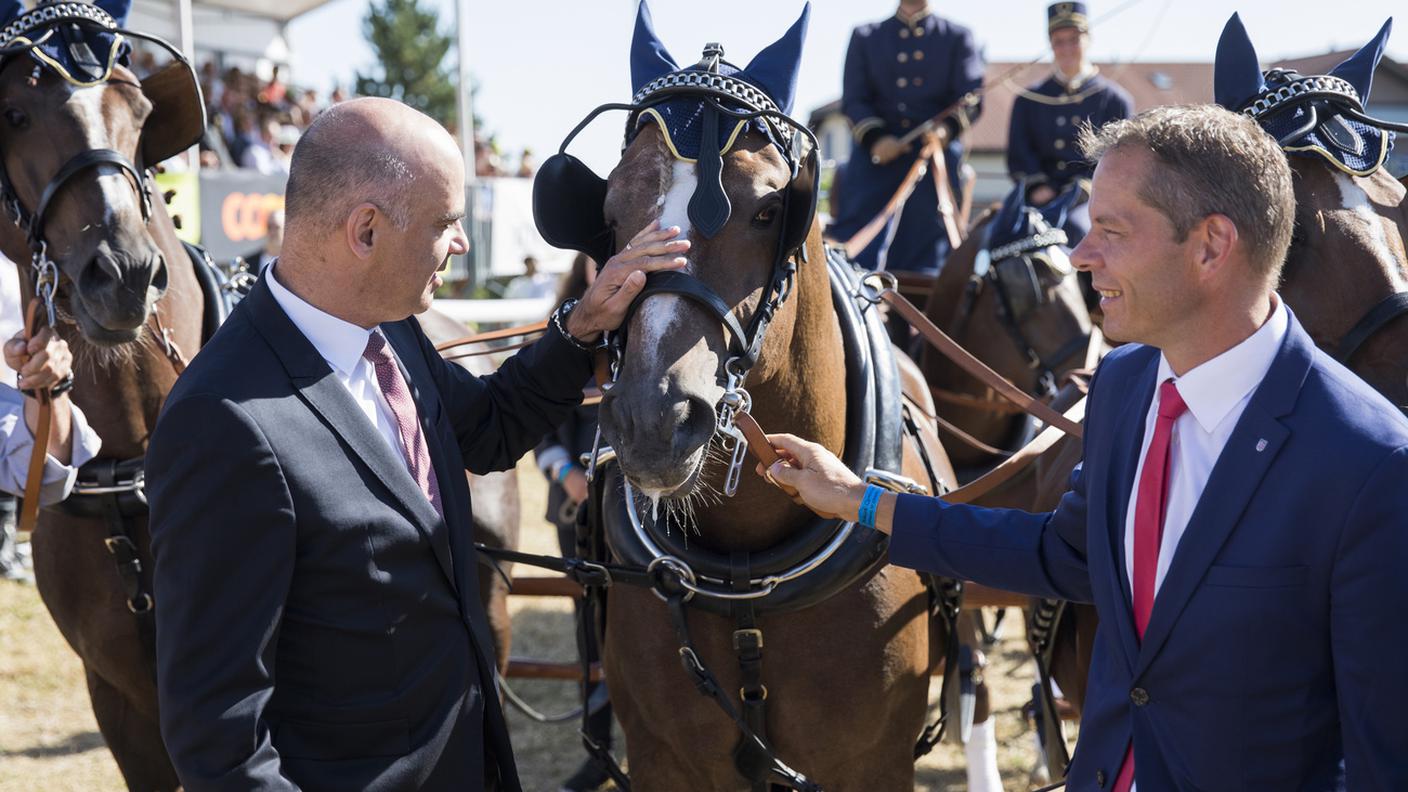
x,y
1024,316
127,296
847,678
844,678
1346,258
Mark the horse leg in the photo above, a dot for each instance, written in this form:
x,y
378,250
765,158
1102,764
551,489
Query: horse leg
x,y
496,525
981,748
133,736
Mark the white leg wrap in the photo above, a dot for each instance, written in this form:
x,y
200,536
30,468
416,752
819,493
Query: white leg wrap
x,y
982,759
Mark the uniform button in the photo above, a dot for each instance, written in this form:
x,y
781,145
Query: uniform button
x,y
901,82
1060,120
904,123
1075,120
1139,696
901,57
1100,778
918,81
1059,144
919,54
1060,166
904,32
902,107
919,32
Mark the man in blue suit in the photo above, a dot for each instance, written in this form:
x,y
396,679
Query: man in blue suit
x,y
900,73
1238,518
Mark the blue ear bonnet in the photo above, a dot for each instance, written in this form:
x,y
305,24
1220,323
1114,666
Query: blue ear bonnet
x,y
1018,228
81,52
772,75
681,119
1320,116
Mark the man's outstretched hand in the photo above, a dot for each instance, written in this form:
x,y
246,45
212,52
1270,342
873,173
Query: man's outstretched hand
x,y
604,305
813,477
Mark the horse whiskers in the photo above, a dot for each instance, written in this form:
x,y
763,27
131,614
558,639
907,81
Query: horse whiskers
x,y
93,357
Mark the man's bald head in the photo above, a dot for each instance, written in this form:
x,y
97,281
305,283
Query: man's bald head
x,y
363,151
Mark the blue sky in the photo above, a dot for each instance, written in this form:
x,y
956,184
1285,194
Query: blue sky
x,y
542,65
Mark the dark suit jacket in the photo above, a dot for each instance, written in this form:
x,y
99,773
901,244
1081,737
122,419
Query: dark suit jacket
x,y
318,624
1273,659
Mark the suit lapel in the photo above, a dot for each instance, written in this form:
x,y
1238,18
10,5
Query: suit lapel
x,y
319,387
1129,439
1250,451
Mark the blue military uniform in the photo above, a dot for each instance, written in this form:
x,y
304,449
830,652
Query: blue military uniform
x,y
900,73
1046,121
1047,118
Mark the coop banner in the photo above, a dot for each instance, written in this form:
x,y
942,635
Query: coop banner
x,y
234,210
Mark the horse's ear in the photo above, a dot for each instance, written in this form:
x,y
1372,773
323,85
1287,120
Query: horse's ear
x,y
1237,73
775,68
10,9
649,58
117,9
1010,221
1358,69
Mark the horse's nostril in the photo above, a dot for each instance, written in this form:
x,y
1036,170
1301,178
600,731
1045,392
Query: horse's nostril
x,y
159,272
100,274
694,425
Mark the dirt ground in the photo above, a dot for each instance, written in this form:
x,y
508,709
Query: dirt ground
x,y
49,740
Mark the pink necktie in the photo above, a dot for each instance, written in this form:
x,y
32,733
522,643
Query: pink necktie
x,y
1150,506
403,409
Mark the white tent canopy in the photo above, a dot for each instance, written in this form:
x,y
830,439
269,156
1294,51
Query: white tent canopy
x,y
249,31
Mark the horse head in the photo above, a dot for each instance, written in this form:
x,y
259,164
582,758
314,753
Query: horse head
x,y
1346,273
1009,294
72,119
741,186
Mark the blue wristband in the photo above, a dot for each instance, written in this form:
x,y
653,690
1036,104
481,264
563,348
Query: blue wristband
x,y
869,503
564,470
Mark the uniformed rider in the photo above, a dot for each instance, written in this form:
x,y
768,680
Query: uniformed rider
x,y
899,74
1047,117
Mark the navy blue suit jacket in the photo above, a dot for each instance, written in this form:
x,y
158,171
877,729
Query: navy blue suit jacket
x,y
1274,656
318,623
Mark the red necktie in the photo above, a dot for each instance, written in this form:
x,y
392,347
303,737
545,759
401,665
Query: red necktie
x,y
403,409
1150,505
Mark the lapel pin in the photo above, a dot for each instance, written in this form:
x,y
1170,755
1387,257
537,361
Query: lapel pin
x,y
1261,444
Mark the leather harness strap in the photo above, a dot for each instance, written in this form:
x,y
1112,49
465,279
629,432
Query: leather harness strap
x,y
965,360
1017,462
862,238
29,510
493,335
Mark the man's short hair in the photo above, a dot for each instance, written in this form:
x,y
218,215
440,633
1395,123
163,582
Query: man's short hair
x,y
333,169
1212,161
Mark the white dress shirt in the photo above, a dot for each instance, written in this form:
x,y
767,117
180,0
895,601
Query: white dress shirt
x,y
1216,393
341,344
17,445
11,311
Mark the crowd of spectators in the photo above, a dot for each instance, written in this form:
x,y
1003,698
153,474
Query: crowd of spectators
x,y
254,123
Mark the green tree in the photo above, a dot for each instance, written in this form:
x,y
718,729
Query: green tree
x,y
412,52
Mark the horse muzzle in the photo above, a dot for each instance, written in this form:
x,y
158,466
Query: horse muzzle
x,y
114,291
659,438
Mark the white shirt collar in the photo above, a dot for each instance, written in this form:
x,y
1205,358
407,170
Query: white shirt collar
x,y
340,343
1213,388
1072,84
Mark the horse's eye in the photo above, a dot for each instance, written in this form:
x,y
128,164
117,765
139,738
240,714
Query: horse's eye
x,y
16,118
766,216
